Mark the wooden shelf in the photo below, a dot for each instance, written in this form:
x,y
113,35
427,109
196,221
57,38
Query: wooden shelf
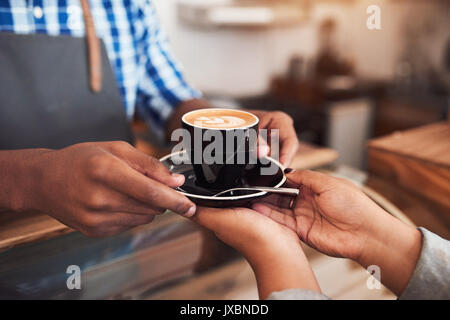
x,y
236,15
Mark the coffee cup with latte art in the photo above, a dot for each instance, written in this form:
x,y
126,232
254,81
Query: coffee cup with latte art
x,y
221,144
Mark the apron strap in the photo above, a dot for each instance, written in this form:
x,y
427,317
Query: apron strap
x,y
93,44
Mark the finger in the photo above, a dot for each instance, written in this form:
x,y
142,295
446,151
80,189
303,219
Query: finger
x,y
148,191
137,207
275,207
123,219
289,147
290,184
118,202
278,200
147,165
263,148
272,213
316,181
102,221
208,217
218,220
264,120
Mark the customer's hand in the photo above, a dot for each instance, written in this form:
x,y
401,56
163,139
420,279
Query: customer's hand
x,y
101,189
335,217
273,250
246,230
330,214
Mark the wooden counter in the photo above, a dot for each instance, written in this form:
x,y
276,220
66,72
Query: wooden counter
x,y
20,228
417,160
309,157
412,170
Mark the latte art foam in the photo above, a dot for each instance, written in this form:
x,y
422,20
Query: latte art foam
x,y
220,122
220,118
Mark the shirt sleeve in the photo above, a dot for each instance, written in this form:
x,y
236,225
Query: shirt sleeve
x,y
162,86
431,278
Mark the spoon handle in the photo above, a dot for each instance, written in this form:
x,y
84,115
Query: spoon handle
x,y
287,191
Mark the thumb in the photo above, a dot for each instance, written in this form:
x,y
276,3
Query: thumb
x,y
225,220
215,219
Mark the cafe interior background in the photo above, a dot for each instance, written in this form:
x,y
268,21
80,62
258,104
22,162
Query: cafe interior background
x,y
368,105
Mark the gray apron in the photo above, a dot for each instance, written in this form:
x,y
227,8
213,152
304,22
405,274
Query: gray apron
x,y
45,99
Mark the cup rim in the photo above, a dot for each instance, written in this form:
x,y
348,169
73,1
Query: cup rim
x,y
220,129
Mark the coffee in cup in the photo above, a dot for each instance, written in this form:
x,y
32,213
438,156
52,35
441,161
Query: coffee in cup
x,y
220,119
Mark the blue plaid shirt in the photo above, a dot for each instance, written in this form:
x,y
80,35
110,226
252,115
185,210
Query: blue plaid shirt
x,y
149,79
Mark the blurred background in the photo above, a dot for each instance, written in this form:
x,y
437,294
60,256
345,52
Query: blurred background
x,y
317,61
368,105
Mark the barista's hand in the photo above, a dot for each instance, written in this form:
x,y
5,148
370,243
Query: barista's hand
x,y
287,135
102,188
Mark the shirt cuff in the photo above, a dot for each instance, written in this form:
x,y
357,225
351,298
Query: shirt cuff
x,y
297,294
431,278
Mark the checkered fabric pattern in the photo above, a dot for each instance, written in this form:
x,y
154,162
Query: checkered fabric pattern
x,y
149,79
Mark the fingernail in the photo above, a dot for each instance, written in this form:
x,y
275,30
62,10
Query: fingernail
x,y
190,212
178,177
288,170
